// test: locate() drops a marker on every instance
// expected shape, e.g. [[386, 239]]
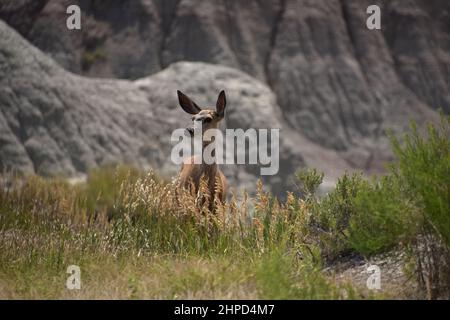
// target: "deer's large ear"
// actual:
[[221, 104], [187, 104]]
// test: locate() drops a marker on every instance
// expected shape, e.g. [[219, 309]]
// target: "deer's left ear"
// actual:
[[187, 104], [221, 104]]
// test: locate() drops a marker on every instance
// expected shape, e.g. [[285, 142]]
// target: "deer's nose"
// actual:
[[190, 130]]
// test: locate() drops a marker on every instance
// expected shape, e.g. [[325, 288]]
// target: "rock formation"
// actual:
[[334, 85]]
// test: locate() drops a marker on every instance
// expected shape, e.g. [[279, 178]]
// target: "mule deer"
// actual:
[[193, 171]]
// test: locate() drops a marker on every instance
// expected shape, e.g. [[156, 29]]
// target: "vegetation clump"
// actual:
[[135, 235]]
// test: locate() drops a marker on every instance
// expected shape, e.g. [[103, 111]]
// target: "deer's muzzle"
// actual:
[[190, 131]]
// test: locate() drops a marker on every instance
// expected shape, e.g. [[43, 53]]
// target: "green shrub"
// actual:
[[309, 181], [330, 217], [424, 168], [383, 219], [409, 207]]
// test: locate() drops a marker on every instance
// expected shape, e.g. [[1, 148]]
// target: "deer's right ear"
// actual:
[[221, 104], [187, 104]]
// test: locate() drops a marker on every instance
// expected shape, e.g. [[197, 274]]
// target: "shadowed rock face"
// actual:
[[336, 85]]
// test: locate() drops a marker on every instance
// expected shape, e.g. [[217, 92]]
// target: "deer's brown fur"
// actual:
[[193, 171]]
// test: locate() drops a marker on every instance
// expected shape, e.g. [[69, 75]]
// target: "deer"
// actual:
[[193, 171]]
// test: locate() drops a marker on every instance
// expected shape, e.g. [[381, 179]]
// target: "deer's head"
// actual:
[[208, 117]]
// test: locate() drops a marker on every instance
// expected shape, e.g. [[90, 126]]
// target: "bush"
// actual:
[[384, 217], [408, 207], [329, 219], [423, 168], [361, 216], [310, 180]]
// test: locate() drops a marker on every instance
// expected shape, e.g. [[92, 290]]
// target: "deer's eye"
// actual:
[[207, 120]]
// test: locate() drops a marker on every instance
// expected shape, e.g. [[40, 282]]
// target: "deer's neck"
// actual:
[[209, 167]]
